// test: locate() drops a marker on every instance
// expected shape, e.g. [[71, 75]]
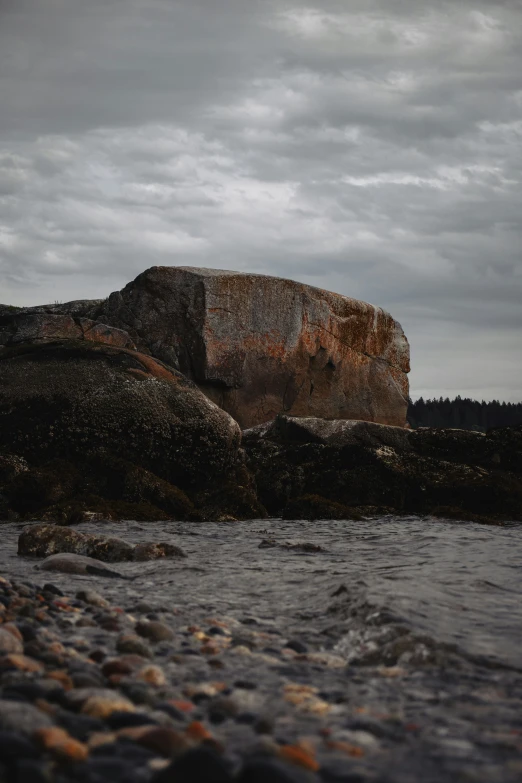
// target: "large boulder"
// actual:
[[259, 345], [78, 401]]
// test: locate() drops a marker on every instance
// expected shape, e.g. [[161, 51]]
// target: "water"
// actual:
[[457, 583]]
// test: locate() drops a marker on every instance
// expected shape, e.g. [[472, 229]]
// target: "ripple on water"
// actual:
[[454, 581]]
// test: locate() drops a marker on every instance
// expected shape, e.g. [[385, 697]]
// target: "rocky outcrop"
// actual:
[[259, 345], [92, 427], [61, 400], [331, 470], [46, 540]]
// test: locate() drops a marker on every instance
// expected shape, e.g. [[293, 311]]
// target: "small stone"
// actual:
[[9, 642], [93, 598], [153, 675], [124, 720], [103, 706], [130, 643], [154, 631], [58, 742], [117, 666]]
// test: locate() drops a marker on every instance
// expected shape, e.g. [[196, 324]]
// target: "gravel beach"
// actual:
[[264, 656]]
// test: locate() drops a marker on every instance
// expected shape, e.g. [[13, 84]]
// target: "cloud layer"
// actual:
[[374, 151]]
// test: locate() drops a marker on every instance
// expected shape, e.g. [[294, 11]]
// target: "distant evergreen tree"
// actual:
[[464, 413]]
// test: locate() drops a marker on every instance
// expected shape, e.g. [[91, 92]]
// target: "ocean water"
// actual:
[[451, 583]]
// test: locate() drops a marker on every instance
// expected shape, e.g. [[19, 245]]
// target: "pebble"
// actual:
[[154, 631], [9, 641], [92, 598], [131, 643], [103, 706], [61, 745], [153, 675]]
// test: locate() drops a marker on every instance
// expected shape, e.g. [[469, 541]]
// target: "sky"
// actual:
[[369, 147]]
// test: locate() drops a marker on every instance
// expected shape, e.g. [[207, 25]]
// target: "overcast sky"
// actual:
[[371, 147]]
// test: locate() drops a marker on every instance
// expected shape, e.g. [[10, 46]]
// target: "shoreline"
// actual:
[[139, 684]]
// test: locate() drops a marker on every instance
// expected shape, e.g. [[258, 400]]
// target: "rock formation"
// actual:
[[101, 414], [309, 468], [259, 345], [255, 345]]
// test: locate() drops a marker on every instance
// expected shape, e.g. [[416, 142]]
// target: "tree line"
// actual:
[[464, 413]]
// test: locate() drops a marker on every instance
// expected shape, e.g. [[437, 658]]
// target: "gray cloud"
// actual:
[[374, 151]]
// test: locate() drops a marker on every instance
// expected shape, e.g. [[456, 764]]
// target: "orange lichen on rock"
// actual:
[[259, 345]]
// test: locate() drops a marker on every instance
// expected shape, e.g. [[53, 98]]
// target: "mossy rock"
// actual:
[[70, 399]]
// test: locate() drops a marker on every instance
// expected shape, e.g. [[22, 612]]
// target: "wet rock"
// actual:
[[109, 550], [78, 564], [44, 540], [15, 746]]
